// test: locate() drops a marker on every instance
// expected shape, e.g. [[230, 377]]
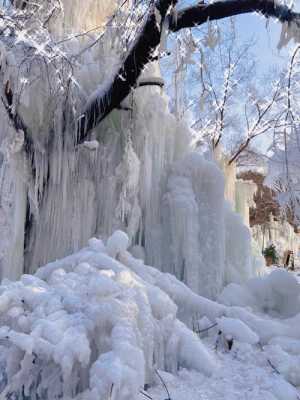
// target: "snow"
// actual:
[[237, 330], [117, 243], [242, 375], [287, 365], [287, 344], [277, 293]]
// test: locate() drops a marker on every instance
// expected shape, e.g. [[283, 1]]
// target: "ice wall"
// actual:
[[117, 185], [194, 224], [239, 195], [239, 264], [244, 199]]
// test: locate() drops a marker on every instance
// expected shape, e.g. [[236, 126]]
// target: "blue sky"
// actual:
[[250, 25]]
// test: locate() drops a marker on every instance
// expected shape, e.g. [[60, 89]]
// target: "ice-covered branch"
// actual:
[[262, 124], [201, 13], [149, 38]]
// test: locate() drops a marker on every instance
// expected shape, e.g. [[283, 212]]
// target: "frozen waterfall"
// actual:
[[137, 174]]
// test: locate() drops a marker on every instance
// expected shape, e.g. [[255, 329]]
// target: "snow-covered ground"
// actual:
[[242, 374], [246, 372], [100, 324], [297, 275]]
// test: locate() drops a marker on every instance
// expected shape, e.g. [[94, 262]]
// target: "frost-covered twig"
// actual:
[[164, 384], [269, 361], [261, 124], [206, 329]]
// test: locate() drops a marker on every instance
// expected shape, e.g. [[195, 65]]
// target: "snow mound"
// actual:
[[117, 243], [236, 329], [88, 327], [277, 294]]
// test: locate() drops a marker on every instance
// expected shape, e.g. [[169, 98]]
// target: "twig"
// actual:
[[146, 395], [164, 384], [273, 367], [111, 391], [206, 329], [269, 361]]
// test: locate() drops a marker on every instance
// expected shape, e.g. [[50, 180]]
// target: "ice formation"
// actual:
[[124, 326], [136, 173], [127, 320]]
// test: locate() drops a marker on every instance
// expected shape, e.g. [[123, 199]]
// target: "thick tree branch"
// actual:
[[201, 13], [149, 39]]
